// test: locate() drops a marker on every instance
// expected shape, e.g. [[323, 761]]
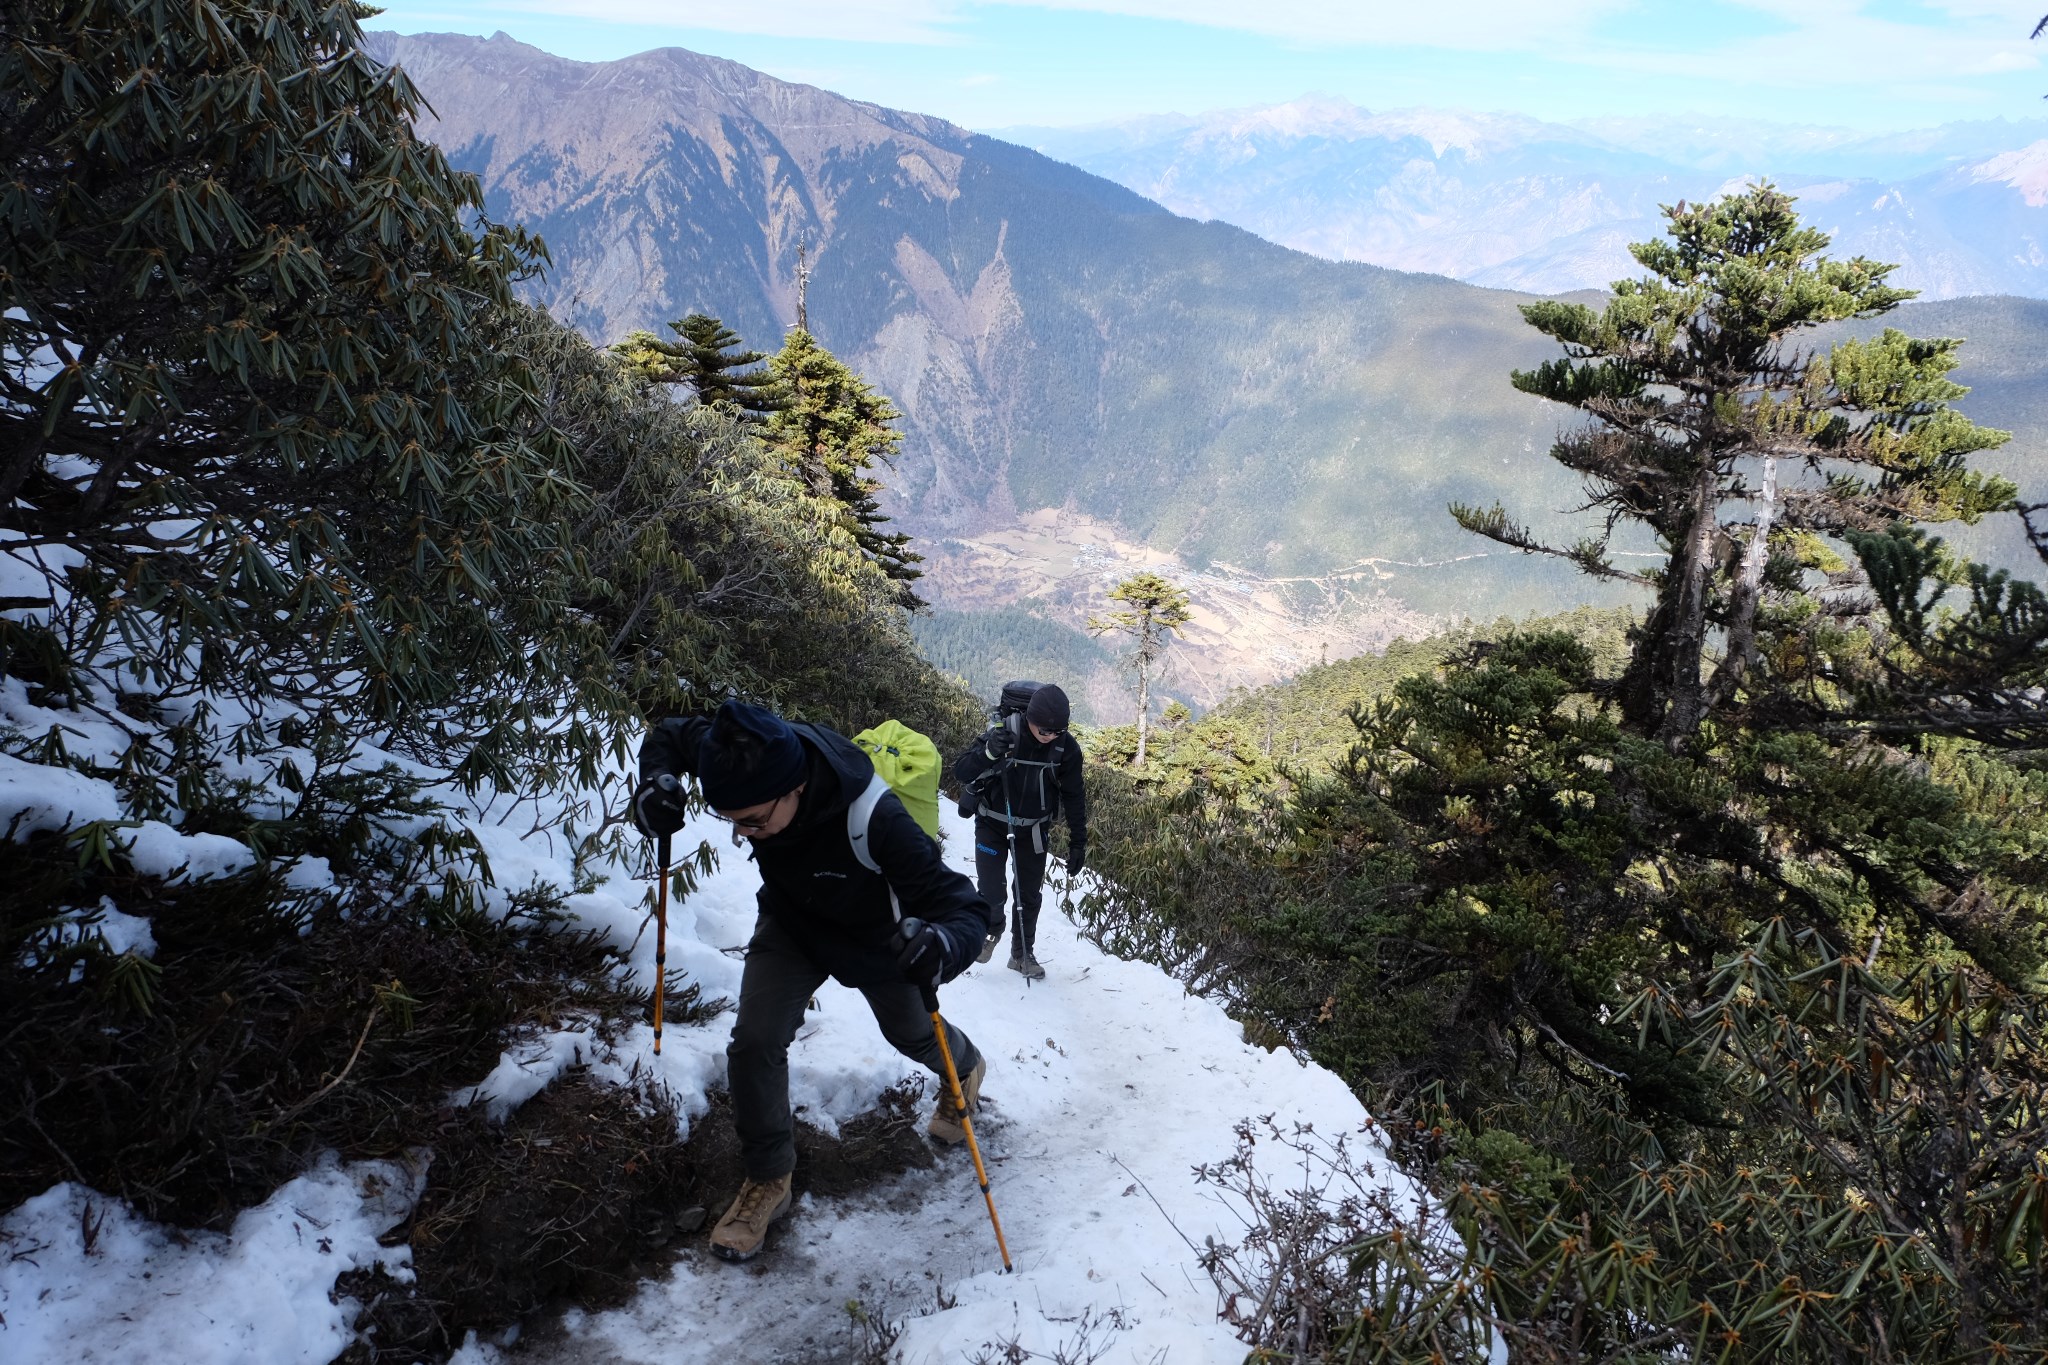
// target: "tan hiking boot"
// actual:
[[946, 1125], [988, 948], [740, 1235]]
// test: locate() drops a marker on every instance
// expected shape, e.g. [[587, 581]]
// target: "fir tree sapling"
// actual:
[[833, 429], [708, 358], [1154, 609]]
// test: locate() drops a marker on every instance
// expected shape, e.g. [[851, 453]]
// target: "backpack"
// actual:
[[1016, 696], [906, 763], [1009, 713]]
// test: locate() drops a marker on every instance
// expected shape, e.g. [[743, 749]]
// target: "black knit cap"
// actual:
[[1048, 709], [750, 757]]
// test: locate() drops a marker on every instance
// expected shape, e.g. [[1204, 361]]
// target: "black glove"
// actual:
[[999, 743], [921, 953], [1077, 858], [658, 808]]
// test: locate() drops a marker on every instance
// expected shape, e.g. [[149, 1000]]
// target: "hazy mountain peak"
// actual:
[[1509, 201], [1333, 118], [2025, 169], [1312, 115]]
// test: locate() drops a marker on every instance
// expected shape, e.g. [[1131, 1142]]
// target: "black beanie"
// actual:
[[1048, 709], [750, 757]]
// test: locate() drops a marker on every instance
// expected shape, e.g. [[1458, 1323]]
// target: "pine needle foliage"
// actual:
[[1705, 988], [1153, 611], [1701, 401], [708, 358], [834, 429], [711, 568]]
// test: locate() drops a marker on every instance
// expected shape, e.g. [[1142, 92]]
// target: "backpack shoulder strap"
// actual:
[[859, 815]]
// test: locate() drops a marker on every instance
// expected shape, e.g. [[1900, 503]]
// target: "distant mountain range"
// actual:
[[1057, 341], [1053, 339], [1547, 207]]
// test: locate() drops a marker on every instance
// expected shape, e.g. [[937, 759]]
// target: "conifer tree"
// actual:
[[1736, 447], [709, 359], [1153, 610], [833, 430]]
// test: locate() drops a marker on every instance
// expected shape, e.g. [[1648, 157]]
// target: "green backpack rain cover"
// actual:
[[909, 763]]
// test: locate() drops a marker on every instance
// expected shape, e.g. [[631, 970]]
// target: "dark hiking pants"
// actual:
[[777, 983], [993, 844]]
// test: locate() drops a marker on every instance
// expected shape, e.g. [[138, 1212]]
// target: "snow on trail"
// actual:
[[1106, 1081], [84, 1281], [1107, 1085]]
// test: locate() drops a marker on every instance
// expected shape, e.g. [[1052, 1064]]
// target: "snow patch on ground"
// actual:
[[1108, 1084], [122, 933], [83, 1280], [532, 1067]]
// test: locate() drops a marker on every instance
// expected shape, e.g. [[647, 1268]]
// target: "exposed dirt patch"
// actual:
[[266, 1027], [583, 1193]]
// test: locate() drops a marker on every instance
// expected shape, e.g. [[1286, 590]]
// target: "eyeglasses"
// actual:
[[756, 824]]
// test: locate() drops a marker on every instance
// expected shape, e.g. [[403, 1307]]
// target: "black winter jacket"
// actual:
[[814, 887], [1038, 781]]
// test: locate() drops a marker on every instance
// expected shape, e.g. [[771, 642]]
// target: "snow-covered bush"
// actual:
[[329, 574]]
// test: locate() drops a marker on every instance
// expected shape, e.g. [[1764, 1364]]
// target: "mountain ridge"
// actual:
[[1056, 342], [1508, 201], [1053, 338]]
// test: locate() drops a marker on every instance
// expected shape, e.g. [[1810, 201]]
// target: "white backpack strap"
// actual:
[[859, 815]]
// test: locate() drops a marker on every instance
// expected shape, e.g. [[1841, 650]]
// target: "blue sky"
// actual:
[[1868, 64]]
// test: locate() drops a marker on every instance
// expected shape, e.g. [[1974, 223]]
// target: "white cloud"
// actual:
[[1483, 25], [2009, 61], [1825, 42], [1839, 44], [866, 21]]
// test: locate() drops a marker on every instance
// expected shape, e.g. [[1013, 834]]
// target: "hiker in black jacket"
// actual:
[[1025, 772], [789, 789]]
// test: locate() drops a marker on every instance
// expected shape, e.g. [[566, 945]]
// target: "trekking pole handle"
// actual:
[[907, 930]]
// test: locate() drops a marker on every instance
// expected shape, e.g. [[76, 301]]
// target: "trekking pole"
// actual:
[[660, 941], [931, 1003]]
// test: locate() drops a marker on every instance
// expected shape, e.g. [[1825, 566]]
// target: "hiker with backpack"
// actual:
[[852, 887], [1015, 781]]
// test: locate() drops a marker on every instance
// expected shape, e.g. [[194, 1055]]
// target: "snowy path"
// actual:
[[1107, 1085], [1105, 1080]]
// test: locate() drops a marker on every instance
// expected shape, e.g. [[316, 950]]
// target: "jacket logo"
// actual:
[[840, 875]]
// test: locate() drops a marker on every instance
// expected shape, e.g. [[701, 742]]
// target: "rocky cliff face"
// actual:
[[670, 182]]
